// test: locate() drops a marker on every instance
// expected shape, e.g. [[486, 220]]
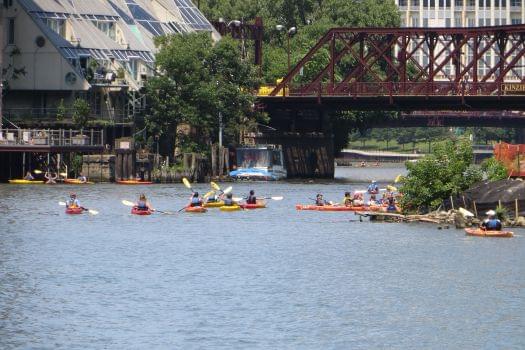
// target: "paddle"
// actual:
[[91, 211], [275, 198], [398, 178], [215, 186], [36, 171]]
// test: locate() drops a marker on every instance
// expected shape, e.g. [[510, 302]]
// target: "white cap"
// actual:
[[491, 213]]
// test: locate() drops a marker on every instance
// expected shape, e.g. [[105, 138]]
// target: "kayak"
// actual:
[[478, 232], [77, 182], [75, 210], [213, 204], [195, 210], [230, 208], [136, 211], [26, 182], [253, 206], [339, 208], [133, 182]]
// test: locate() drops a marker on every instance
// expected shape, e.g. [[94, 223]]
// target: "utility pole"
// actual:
[[220, 129]]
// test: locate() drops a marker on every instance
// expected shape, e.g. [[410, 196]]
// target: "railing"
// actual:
[[50, 137], [49, 115]]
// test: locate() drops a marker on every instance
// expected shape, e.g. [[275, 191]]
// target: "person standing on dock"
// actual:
[[50, 178]]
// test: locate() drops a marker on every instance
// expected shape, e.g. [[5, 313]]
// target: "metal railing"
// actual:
[[49, 115], [51, 137]]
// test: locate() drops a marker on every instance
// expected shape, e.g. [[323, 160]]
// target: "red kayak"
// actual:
[[253, 206], [74, 210], [195, 210], [137, 211]]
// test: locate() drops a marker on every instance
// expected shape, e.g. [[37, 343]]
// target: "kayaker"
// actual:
[[251, 198], [319, 200], [373, 200], [491, 223], [82, 178], [228, 201], [373, 188], [391, 200], [143, 204], [195, 200], [50, 178], [213, 198], [28, 176], [358, 199], [73, 202], [348, 201]]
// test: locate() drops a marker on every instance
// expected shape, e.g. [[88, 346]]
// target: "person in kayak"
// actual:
[[213, 198], [391, 201], [143, 204], [29, 177], [348, 201], [319, 200], [82, 178], [228, 201], [73, 202], [373, 188], [195, 200], [50, 178], [358, 199], [251, 198], [491, 223], [373, 200]]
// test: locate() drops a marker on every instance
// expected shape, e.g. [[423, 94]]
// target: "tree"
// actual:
[[81, 111], [61, 110], [193, 91], [446, 171]]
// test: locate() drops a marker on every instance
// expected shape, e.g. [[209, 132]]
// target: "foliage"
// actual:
[[81, 112], [502, 213], [494, 169], [76, 164], [11, 71], [61, 110], [446, 171], [194, 91]]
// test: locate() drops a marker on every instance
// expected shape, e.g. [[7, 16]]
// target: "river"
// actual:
[[268, 279]]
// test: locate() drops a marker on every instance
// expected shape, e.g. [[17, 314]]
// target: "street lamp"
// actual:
[[289, 33]]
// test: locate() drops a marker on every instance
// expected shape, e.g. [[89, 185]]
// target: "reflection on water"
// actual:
[[274, 278]]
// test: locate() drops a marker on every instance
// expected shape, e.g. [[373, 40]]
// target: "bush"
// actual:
[[494, 169], [81, 111]]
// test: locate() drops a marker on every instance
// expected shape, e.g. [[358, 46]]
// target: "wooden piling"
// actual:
[[475, 209], [452, 202], [516, 207]]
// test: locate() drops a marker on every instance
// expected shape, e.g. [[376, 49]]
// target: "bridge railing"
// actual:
[[51, 137], [436, 88]]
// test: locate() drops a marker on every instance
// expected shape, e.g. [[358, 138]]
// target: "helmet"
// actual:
[[491, 213], [252, 192], [195, 194], [72, 194]]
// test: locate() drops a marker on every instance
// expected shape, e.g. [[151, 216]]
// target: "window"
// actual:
[[11, 31], [107, 27], [414, 21], [457, 21], [516, 21], [415, 3], [516, 3], [57, 25], [458, 3], [403, 2]]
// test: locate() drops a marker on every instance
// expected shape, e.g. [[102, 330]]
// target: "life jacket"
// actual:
[[319, 202], [228, 202], [251, 200], [141, 205], [196, 202], [493, 224], [347, 201], [373, 188]]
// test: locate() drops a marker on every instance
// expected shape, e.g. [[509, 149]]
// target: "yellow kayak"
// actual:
[[26, 182], [213, 204], [230, 208]]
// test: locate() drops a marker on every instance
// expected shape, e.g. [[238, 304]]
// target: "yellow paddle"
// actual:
[[208, 194], [398, 178], [215, 186], [36, 171]]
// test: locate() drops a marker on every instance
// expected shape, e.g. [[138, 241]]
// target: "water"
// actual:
[[268, 279]]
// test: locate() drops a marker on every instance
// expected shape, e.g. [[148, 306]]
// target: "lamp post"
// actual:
[[289, 33]]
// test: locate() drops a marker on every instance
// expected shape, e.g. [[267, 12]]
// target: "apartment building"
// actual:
[[464, 13], [102, 50]]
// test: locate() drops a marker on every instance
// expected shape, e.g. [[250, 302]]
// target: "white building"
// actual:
[[101, 50], [464, 13]]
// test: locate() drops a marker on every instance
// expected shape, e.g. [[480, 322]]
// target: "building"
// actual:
[[463, 13], [101, 50]]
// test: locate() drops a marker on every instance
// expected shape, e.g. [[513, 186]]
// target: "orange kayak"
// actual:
[[75, 210], [195, 210], [478, 232], [133, 182], [137, 211], [260, 205]]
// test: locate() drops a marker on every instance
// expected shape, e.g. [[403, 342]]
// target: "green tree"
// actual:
[[61, 110], [445, 172], [81, 112], [194, 91]]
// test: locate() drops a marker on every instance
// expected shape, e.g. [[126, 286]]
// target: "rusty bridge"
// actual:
[[408, 69]]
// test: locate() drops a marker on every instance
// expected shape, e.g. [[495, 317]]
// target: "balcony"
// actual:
[[44, 140], [48, 116]]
